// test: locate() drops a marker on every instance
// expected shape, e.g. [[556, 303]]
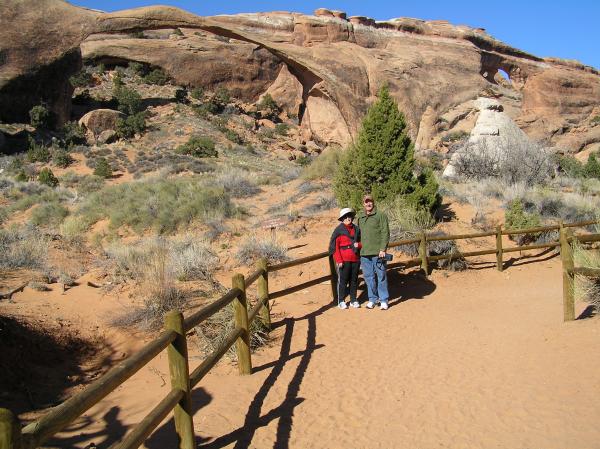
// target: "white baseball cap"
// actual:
[[346, 211]]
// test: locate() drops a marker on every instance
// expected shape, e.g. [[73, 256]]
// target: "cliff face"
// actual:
[[325, 68]]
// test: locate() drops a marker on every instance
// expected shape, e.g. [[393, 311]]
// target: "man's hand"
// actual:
[[381, 254], [356, 244], [340, 265]]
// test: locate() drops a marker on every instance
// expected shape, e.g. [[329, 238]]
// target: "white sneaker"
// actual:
[[383, 306], [343, 305], [370, 305], [355, 305]]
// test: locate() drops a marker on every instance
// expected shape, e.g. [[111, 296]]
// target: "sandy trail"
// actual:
[[477, 359]]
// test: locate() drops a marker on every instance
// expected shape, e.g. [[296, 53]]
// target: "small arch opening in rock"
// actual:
[[504, 75]]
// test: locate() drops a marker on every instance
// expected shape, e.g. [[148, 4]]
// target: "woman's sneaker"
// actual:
[[383, 306], [370, 305], [343, 305], [355, 305]]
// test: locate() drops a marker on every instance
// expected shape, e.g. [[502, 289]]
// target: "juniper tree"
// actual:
[[382, 161]]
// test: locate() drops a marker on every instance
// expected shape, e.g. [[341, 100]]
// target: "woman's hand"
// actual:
[[340, 265], [356, 244]]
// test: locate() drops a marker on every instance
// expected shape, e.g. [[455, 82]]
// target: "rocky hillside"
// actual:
[[325, 69]]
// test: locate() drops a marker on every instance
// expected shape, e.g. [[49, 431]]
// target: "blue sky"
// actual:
[[564, 29]]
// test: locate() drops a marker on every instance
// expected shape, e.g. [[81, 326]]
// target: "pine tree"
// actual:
[[382, 161]]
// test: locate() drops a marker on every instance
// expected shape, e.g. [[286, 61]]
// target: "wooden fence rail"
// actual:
[[174, 339]]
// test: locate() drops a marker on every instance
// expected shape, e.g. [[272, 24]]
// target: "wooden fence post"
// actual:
[[240, 309], [334, 278], [180, 378], [499, 264], [263, 293], [423, 253], [10, 430], [566, 254]]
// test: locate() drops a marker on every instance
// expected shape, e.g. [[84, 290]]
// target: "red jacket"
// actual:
[[341, 254]]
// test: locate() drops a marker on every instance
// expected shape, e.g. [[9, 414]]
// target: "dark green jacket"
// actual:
[[374, 232]]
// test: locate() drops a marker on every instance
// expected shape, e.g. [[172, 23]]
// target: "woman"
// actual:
[[345, 246]]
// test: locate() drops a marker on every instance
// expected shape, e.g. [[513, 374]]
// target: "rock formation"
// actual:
[[330, 66]]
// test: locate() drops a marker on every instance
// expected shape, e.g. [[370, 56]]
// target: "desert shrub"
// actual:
[[81, 79], [455, 136], [254, 248], [587, 289], [570, 166], [511, 158], [82, 183], [73, 229], [322, 203], [198, 146], [405, 222], [62, 158], [268, 106], [131, 125], [282, 129], [156, 76], [592, 167], [49, 214], [38, 286], [222, 96], [211, 332], [214, 229], [382, 161], [237, 183], [193, 259], [233, 136], [103, 168], [595, 120], [303, 160], [137, 35], [159, 204], [40, 116], [46, 177], [23, 247], [117, 81], [446, 247], [73, 134], [129, 101], [37, 152], [181, 95], [22, 176], [157, 284], [138, 68], [197, 93], [515, 217]]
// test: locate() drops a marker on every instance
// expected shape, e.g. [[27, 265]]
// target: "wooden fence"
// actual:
[[570, 270], [174, 340]]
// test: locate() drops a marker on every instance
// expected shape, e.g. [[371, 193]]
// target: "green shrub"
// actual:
[[139, 69], [197, 93], [592, 167], [222, 96], [515, 217], [73, 134], [156, 76], [138, 35], [37, 152], [268, 106], [303, 161], [40, 116], [81, 79], [103, 168], [118, 81], [62, 158], [382, 161], [455, 136], [282, 129], [46, 177], [49, 214], [22, 176], [181, 95], [596, 120], [159, 204], [570, 166], [323, 166], [129, 101], [131, 125], [23, 247], [198, 147]]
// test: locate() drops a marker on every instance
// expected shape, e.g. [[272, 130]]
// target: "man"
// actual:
[[375, 236]]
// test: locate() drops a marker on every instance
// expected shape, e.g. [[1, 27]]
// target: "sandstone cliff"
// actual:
[[325, 68]]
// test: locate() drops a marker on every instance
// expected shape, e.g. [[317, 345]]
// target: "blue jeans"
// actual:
[[373, 269]]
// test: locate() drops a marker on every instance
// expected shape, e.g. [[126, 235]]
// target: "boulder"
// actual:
[[107, 136], [100, 120]]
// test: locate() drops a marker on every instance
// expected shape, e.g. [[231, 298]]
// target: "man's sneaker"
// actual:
[[383, 306], [343, 305], [355, 305], [370, 305]]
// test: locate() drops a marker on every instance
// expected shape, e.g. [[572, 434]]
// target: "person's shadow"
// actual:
[[402, 286]]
